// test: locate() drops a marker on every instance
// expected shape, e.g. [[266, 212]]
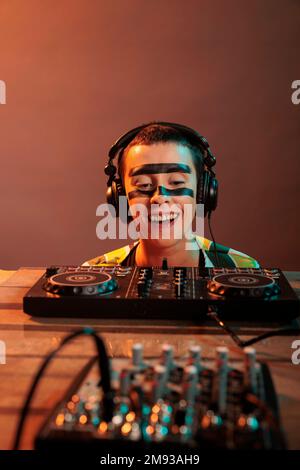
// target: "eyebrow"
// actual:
[[153, 168]]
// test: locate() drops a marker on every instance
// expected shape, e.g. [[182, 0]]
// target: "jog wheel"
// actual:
[[243, 285], [80, 283]]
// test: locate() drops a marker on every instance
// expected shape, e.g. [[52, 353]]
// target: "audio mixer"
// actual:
[[179, 293], [169, 404]]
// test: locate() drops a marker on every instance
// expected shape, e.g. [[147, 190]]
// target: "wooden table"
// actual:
[[29, 339]]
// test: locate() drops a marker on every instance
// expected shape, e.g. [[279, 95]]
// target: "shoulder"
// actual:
[[227, 256], [111, 258]]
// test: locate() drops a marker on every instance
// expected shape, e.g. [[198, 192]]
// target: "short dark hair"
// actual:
[[158, 133]]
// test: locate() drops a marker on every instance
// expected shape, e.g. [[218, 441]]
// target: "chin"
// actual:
[[162, 243]]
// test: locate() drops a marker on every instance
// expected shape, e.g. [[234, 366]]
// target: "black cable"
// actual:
[[213, 239], [103, 369], [269, 334], [212, 313]]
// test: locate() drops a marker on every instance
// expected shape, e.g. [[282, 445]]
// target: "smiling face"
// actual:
[[163, 178]]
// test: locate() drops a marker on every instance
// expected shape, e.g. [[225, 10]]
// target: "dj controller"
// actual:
[[179, 293], [170, 405]]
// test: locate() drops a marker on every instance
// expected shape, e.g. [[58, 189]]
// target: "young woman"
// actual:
[[162, 168]]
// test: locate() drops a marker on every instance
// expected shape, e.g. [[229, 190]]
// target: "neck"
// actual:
[[148, 254]]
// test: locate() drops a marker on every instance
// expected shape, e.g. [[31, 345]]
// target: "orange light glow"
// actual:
[[156, 409], [205, 422], [149, 429], [83, 419], [126, 428], [102, 427], [60, 419], [130, 416], [242, 421]]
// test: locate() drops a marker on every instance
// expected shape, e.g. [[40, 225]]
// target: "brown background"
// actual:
[[81, 72]]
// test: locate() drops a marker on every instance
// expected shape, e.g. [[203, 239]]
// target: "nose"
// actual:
[[159, 197]]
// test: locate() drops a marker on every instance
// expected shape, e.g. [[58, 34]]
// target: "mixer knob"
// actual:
[[77, 290], [190, 383], [167, 356], [161, 375], [195, 352], [222, 367], [164, 265], [222, 357], [195, 356], [137, 355], [250, 366], [124, 382]]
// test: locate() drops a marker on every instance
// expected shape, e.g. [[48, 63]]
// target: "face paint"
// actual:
[[156, 168], [161, 191]]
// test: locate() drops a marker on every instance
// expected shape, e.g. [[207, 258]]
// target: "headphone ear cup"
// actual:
[[112, 196], [202, 190], [116, 190], [113, 192], [109, 196], [115, 197], [120, 191], [207, 193], [212, 193]]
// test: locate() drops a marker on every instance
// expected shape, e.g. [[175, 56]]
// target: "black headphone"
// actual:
[[207, 191]]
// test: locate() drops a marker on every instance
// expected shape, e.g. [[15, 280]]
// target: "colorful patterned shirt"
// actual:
[[228, 257]]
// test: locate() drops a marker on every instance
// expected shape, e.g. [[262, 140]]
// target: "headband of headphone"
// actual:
[[207, 191]]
